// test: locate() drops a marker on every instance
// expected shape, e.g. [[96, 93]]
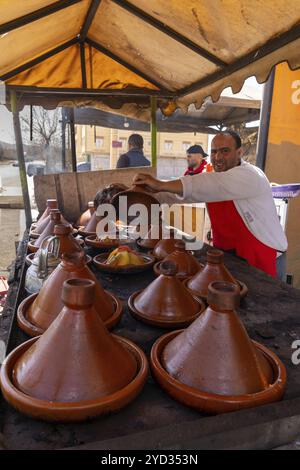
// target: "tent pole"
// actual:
[[21, 159], [73, 142], [63, 139], [263, 132], [153, 128]]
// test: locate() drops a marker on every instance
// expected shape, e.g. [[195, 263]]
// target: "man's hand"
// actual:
[[148, 182]]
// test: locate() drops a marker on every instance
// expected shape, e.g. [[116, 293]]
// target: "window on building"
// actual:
[[168, 145], [99, 142], [123, 140], [185, 146]]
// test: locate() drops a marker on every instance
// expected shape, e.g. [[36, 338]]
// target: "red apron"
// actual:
[[230, 233]]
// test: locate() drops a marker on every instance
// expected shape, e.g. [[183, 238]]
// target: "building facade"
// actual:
[[102, 147]]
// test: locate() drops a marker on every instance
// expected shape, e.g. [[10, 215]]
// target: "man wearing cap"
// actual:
[[196, 160], [239, 201]]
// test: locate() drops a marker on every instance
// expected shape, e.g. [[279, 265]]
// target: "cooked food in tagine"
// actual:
[[124, 256]]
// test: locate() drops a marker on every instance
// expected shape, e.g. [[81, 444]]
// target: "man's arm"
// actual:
[[155, 185]]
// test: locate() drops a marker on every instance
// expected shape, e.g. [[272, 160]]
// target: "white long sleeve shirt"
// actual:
[[248, 187]]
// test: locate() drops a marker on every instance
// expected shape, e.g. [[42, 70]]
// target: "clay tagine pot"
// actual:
[[165, 247], [135, 195], [38, 230], [55, 219], [187, 265], [213, 365], [37, 312], [149, 241], [67, 242], [165, 302], [214, 270], [86, 215], [76, 370], [91, 226], [50, 204]]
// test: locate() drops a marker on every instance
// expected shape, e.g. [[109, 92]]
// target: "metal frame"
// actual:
[[247, 59], [169, 32], [118, 59], [36, 15], [89, 19], [82, 38]]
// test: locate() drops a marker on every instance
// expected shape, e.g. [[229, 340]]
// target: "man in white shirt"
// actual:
[[239, 202]]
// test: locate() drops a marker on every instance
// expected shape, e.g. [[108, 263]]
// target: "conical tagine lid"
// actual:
[[67, 243], [76, 359], [166, 298], [51, 204], [165, 247], [86, 215], [91, 226], [47, 305], [214, 270], [187, 265], [55, 218], [215, 354]]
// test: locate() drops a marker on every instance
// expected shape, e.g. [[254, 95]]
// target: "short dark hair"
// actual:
[[136, 140], [234, 135]]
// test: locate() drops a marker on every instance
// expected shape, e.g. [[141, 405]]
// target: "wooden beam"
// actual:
[[169, 32], [118, 59], [89, 19], [36, 15], [250, 58], [38, 60]]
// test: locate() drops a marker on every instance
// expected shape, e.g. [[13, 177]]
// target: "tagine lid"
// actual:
[[76, 359], [166, 298], [213, 270], [215, 354], [47, 305], [187, 264], [55, 218], [165, 247]]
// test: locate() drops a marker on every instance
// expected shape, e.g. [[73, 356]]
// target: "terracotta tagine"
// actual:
[[187, 264], [149, 241], [213, 365], [55, 219], [76, 370], [50, 204], [165, 302], [37, 231], [91, 226], [214, 270], [86, 215], [67, 242], [165, 247], [37, 312], [135, 195]]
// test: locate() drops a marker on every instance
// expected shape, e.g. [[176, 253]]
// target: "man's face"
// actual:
[[224, 154], [194, 159]]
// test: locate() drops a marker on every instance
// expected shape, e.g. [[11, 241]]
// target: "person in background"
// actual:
[[135, 155], [196, 160]]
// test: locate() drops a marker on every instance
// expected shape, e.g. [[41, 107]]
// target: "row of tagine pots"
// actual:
[[85, 371]]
